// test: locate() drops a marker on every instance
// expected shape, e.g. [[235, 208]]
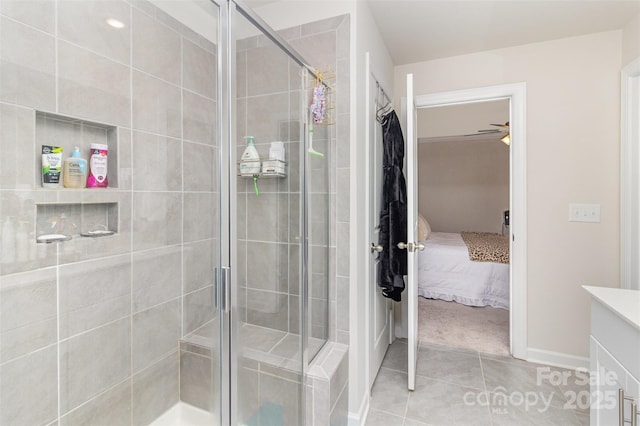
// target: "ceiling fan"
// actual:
[[502, 128]]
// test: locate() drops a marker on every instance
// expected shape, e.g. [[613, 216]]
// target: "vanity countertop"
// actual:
[[623, 302]]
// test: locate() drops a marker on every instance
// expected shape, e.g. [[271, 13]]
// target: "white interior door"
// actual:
[[379, 306], [411, 176]]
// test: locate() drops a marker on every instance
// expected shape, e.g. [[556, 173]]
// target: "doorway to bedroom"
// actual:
[[464, 205]]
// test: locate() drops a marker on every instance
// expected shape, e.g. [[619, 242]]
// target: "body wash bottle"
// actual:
[[250, 160], [74, 172], [98, 166]]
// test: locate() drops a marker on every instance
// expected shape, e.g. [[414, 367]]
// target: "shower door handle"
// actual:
[[222, 290]]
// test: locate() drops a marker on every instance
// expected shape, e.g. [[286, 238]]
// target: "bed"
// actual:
[[446, 272]]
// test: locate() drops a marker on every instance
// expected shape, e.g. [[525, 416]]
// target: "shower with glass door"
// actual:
[[185, 284]]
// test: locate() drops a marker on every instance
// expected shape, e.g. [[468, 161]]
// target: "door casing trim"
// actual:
[[516, 93]]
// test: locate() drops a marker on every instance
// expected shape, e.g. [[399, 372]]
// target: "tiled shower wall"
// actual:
[[268, 91], [89, 328], [269, 109]]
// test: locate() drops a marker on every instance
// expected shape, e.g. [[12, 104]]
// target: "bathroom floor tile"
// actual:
[[390, 393], [446, 404], [468, 388]]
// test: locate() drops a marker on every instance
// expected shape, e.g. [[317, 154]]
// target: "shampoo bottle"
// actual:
[[250, 160], [74, 172]]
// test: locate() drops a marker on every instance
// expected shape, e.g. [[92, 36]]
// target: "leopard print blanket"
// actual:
[[487, 247]]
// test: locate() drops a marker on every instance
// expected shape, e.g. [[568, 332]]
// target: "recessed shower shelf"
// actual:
[[59, 222], [68, 132]]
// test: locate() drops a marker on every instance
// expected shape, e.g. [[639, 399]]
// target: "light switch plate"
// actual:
[[584, 213]]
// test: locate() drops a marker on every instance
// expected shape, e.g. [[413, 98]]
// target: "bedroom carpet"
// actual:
[[482, 329]]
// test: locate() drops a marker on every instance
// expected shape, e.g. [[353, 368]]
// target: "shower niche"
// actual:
[[68, 133], [89, 220]]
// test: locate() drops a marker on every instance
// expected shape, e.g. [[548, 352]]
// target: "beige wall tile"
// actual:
[[27, 312], [94, 293], [273, 65], [39, 14], [155, 215], [92, 87], [157, 276], [155, 390], [29, 389], [148, 36], [16, 143], [27, 59], [157, 163], [198, 308], [196, 379], [199, 216], [110, 408], [200, 167], [156, 106], [156, 332], [84, 23], [199, 260], [200, 70], [199, 119], [92, 362], [268, 309]]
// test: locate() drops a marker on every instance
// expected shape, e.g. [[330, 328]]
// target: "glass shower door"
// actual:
[[266, 244]]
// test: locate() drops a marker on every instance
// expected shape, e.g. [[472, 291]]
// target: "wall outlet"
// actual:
[[584, 213]]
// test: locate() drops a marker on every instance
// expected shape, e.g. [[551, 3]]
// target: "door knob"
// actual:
[[411, 246], [408, 246], [376, 248]]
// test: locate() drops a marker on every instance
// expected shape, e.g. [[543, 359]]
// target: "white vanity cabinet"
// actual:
[[615, 356]]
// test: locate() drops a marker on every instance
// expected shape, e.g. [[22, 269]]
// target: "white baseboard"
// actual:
[[557, 359], [360, 418]]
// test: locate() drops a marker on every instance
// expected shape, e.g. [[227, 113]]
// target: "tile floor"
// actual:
[[462, 387]]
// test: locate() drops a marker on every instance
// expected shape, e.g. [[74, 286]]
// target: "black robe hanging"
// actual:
[[392, 261]]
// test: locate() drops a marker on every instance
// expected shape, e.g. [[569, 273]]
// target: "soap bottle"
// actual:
[[74, 172], [250, 160]]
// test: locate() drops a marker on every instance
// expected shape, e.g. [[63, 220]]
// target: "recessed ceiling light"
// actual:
[[115, 23]]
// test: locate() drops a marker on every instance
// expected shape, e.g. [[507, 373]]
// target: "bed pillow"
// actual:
[[424, 229]]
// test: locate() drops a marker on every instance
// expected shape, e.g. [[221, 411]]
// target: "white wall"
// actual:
[[573, 121], [461, 119], [631, 41], [367, 39], [463, 185], [289, 13]]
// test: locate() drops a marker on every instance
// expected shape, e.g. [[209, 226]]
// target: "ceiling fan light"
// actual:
[[506, 139]]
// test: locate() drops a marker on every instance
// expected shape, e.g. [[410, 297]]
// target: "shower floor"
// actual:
[[185, 415], [262, 344]]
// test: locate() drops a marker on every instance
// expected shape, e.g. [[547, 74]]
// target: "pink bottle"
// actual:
[[97, 166]]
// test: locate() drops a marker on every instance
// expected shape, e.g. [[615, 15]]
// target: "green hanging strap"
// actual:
[[255, 185]]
